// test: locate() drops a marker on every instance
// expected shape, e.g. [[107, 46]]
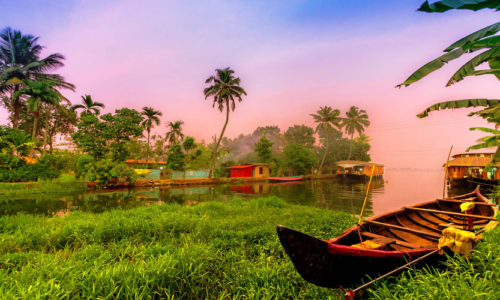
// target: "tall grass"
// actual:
[[213, 250]]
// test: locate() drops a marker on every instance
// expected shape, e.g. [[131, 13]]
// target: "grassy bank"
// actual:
[[64, 184], [212, 250]]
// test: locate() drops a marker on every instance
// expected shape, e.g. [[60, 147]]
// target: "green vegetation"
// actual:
[[486, 41], [39, 113], [212, 250], [63, 184]]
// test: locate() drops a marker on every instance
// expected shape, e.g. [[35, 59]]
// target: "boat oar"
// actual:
[[350, 294]]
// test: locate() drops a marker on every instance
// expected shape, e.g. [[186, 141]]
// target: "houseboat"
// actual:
[[469, 169], [359, 170]]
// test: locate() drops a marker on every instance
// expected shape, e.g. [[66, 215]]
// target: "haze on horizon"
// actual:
[[291, 59]]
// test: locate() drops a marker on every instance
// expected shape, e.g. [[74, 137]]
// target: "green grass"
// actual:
[[64, 184], [212, 250]]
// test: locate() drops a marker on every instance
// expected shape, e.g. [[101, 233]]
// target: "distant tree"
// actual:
[[58, 120], [355, 121], [88, 105], [38, 93], [225, 89], [108, 134], [326, 118], [174, 134], [20, 62], [299, 158], [176, 158], [263, 148], [301, 135], [150, 118]]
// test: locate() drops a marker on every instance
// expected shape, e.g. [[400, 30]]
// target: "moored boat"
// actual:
[[385, 242], [286, 179]]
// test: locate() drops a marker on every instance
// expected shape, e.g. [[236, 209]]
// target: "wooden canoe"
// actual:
[[400, 236], [285, 179]]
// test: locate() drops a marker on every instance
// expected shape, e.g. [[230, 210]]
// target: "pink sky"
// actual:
[[127, 54]]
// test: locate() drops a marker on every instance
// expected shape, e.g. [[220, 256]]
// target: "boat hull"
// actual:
[[332, 266]]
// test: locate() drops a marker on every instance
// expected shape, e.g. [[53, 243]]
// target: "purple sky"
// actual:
[[291, 58]]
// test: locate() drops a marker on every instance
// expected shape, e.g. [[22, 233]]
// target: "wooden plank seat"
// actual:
[[464, 201], [451, 213], [390, 240], [402, 228]]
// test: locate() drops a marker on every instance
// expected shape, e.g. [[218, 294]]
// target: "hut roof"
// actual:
[[353, 163], [132, 161], [247, 166], [471, 161], [474, 154]]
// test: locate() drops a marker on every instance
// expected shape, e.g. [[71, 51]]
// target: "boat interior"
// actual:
[[416, 227]]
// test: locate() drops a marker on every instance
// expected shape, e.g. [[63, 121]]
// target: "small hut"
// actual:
[[254, 170], [466, 169], [356, 169]]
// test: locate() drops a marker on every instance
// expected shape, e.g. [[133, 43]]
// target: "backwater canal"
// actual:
[[398, 188]]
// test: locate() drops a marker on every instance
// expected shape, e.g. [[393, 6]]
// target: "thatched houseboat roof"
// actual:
[[471, 160], [353, 163]]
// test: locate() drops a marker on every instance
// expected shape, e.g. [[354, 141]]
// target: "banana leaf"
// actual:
[[459, 104], [445, 5]]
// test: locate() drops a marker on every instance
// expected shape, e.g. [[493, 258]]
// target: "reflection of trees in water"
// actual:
[[330, 194]]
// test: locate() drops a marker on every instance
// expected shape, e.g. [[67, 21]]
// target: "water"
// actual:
[[398, 188]]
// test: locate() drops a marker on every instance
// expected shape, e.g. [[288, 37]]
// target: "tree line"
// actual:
[[33, 95]]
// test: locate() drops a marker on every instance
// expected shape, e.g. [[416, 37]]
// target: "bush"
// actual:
[[83, 164], [14, 169], [110, 173], [61, 160]]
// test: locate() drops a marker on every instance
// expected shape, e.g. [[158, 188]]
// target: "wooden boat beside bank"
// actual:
[[384, 242], [286, 179]]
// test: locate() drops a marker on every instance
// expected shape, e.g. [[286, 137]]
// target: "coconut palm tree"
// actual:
[[355, 121], [150, 118], [88, 105], [38, 93], [326, 117], [20, 61], [225, 89], [174, 135]]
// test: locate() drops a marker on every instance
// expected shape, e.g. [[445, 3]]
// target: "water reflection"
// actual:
[[329, 194], [401, 188]]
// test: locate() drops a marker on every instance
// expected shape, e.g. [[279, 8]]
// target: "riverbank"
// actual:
[[63, 184], [211, 250], [202, 181]]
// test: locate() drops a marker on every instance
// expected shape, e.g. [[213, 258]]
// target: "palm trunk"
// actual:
[[324, 155], [214, 157], [45, 135], [33, 134], [350, 147], [149, 150], [16, 107]]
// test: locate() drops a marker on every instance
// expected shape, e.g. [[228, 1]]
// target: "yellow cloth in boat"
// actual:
[[368, 244], [466, 206], [458, 241]]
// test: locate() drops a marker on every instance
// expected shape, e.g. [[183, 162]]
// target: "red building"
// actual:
[[257, 170]]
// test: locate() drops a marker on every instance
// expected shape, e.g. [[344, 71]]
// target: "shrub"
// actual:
[[110, 173]]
